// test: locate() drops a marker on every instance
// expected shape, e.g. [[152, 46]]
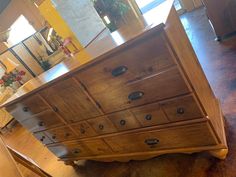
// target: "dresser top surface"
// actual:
[[107, 44]]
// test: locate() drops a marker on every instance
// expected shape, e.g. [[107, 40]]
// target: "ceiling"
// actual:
[[3, 4]]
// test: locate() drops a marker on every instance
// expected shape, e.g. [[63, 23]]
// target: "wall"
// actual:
[[48, 11], [18, 7], [81, 17]]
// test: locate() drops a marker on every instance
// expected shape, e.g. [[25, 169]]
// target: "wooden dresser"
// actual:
[[222, 16], [135, 94]]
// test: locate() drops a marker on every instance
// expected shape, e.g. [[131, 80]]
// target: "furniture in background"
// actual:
[[10, 159], [141, 93], [222, 16]]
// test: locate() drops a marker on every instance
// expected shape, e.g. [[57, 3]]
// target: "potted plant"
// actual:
[[114, 10]]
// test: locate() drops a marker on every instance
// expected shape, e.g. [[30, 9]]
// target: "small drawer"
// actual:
[[27, 108], [42, 121], [196, 135], [97, 147], [83, 129], [124, 120], [182, 108], [102, 125], [64, 150], [150, 115], [60, 134], [42, 137], [167, 84], [146, 58]]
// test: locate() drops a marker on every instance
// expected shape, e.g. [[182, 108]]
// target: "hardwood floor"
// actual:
[[219, 63]]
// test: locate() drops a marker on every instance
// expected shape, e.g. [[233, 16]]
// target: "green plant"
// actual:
[[114, 9]]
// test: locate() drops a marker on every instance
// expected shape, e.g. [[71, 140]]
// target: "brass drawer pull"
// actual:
[[122, 122], [25, 109], [41, 124], [180, 110], [152, 142], [119, 71], [101, 127], [148, 117], [135, 95]]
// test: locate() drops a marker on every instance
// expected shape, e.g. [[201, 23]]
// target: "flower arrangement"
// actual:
[[9, 78]]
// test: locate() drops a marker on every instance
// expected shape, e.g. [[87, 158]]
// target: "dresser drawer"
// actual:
[[60, 134], [102, 125], [182, 108], [164, 85], [27, 108], [80, 149], [124, 120], [43, 138], [83, 129], [141, 60], [177, 137], [42, 121], [64, 150], [150, 115]]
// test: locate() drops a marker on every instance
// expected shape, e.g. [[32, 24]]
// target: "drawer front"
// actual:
[[70, 101], [27, 108], [60, 134], [83, 129], [97, 147], [150, 115], [182, 108], [43, 138], [124, 120], [165, 85], [176, 137], [80, 149], [42, 121], [146, 58], [69, 150], [102, 125]]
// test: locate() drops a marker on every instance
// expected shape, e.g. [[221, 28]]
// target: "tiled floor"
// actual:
[[219, 63]]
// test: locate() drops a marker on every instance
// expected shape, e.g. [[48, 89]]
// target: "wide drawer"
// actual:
[[80, 149], [195, 135], [42, 121], [164, 85], [141, 60], [27, 108]]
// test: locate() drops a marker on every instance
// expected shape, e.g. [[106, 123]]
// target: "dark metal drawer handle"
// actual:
[[76, 151], [67, 134], [43, 137], [119, 71], [41, 124], [148, 117], [180, 110], [53, 137], [55, 109], [152, 142], [25, 109], [122, 122], [82, 131], [135, 95], [101, 127]]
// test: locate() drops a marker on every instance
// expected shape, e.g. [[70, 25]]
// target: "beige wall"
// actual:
[[17, 8]]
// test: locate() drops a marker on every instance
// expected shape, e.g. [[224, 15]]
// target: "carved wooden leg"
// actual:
[[220, 154]]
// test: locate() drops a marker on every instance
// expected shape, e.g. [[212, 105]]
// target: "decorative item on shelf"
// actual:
[[112, 12], [4, 35], [65, 47], [12, 77]]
